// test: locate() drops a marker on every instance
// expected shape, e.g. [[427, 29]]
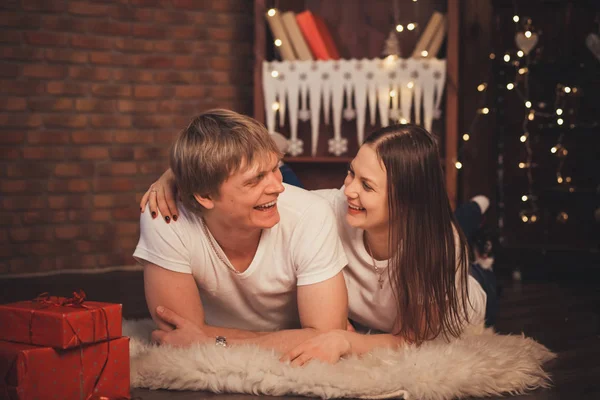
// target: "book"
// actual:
[[428, 34], [293, 31], [317, 36], [276, 24]]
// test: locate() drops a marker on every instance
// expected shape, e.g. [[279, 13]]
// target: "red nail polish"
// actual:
[[153, 214], [167, 219], [174, 217]]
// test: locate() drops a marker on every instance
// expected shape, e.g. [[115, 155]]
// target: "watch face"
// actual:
[[221, 341]]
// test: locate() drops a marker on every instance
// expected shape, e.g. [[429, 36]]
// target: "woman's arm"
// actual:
[[161, 197]]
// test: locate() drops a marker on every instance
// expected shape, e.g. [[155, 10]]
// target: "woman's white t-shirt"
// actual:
[[369, 305]]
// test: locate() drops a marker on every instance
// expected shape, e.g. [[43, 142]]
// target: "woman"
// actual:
[[408, 269]]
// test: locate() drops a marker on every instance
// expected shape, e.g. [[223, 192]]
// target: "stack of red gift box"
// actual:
[[63, 348]]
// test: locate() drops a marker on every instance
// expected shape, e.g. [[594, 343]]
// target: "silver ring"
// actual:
[[152, 190]]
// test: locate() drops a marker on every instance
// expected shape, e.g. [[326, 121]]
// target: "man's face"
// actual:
[[248, 198]]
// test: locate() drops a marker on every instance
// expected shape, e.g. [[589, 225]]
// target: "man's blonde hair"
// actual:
[[215, 145]]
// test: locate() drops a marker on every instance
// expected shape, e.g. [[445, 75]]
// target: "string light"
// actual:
[[531, 115], [567, 89], [424, 53], [523, 137], [399, 28], [410, 85], [481, 87], [506, 58], [523, 71], [466, 137], [522, 165], [492, 56], [483, 110], [559, 121], [516, 18], [275, 106], [274, 74], [520, 53], [458, 165], [527, 34], [403, 121], [278, 42], [528, 104], [271, 12], [411, 26], [510, 86]]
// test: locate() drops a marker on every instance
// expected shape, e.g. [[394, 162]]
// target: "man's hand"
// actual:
[[328, 347], [185, 333]]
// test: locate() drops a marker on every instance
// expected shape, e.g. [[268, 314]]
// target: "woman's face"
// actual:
[[366, 191]]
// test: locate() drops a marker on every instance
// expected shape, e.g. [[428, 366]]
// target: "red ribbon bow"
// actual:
[[75, 301]]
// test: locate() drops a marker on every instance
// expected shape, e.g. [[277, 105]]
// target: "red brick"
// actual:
[[116, 259], [179, 77], [185, 107], [44, 5], [44, 71], [76, 262], [19, 20], [173, 46], [117, 168], [21, 53], [86, 216], [95, 105], [53, 104], [190, 91], [178, 17], [12, 104], [10, 153], [92, 42], [67, 88], [33, 233], [68, 202], [104, 57], [20, 120], [110, 28], [132, 75], [131, 229], [187, 32], [90, 9], [111, 121], [232, 20], [155, 121], [12, 137], [44, 153], [151, 153], [112, 200], [133, 137], [129, 106], [66, 55], [144, 14], [134, 45], [23, 202], [74, 169], [151, 31], [43, 217], [63, 24], [152, 91], [28, 170], [47, 38], [68, 232], [190, 62], [153, 61], [111, 90], [92, 137], [126, 213], [93, 153], [149, 3], [69, 185], [90, 73], [114, 184], [65, 121], [237, 47], [9, 70], [11, 36], [151, 167], [14, 186], [121, 153], [48, 137]]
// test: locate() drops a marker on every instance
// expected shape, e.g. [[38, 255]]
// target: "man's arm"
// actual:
[[324, 305], [178, 292]]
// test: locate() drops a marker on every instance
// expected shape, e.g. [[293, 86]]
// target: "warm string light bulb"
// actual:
[[559, 111], [411, 26], [424, 53], [528, 104], [522, 165], [516, 18], [481, 87], [271, 12], [458, 165], [567, 89], [278, 42], [484, 110], [492, 56], [524, 137], [275, 106], [399, 28], [523, 70], [510, 86], [527, 34], [520, 53], [403, 121], [506, 57], [410, 85], [393, 93], [466, 137], [560, 121], [274, 74], [531, 115]]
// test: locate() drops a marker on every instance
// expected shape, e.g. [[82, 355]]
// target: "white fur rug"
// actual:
[[479, 364]]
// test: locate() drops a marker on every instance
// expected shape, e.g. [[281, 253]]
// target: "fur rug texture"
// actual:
[[478, 364]]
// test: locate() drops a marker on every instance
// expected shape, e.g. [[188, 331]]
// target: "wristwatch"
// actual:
[[221, 341]]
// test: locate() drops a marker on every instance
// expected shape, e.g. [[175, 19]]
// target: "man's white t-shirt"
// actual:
[[369, 305], [302, 249]]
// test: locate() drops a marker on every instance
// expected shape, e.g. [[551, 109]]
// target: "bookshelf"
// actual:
[[360, 29]]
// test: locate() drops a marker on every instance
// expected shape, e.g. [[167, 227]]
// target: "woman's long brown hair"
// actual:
[[424, 265]]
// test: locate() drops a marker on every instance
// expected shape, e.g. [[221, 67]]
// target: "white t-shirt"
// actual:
[[302, 249], [369, 305]]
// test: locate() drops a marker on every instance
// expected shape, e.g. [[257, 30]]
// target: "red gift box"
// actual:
[[60, 322], [91, 371]]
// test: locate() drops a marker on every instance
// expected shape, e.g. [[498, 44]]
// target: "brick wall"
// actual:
[[91, 95]]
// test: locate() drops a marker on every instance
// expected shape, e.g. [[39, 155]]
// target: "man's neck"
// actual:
[[376, 243], [235, 241]]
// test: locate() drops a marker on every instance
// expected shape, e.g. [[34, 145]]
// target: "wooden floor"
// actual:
[[561, 313]]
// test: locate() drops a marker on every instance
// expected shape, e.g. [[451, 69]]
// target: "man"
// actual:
[[248, 254]]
